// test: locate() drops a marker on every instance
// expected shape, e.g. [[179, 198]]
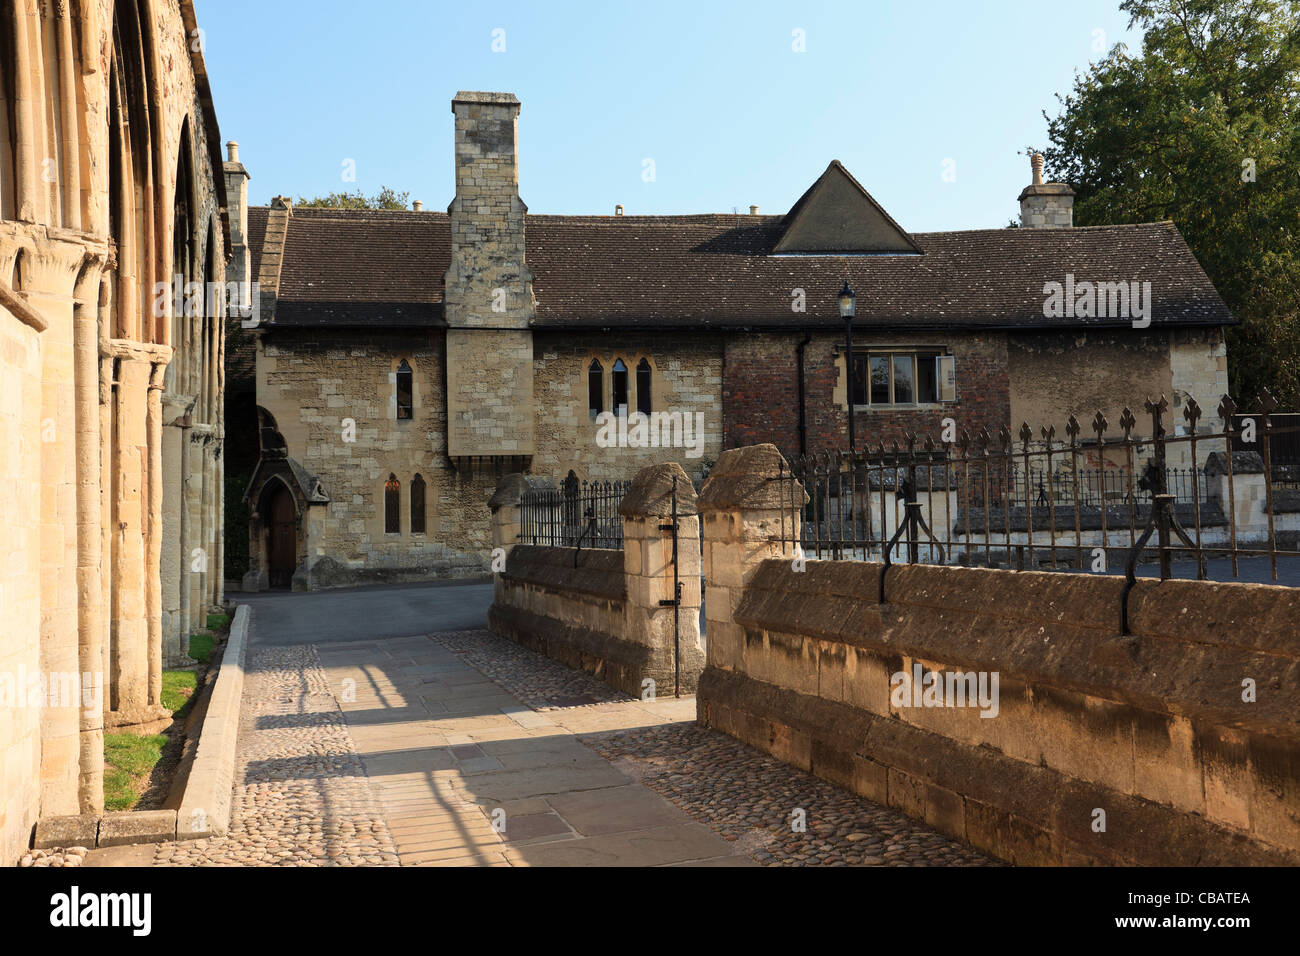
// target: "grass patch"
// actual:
[[217, 621], [177, 690], [128, 761], [201, 647]]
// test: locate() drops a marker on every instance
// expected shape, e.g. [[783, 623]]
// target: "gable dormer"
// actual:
[[836, 216]]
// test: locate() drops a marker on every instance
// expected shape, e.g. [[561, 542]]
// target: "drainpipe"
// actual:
[[803, 428]]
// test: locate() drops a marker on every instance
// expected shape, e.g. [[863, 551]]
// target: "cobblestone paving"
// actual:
[[740, 792], [538, 681], [301, 795], [749, 797]]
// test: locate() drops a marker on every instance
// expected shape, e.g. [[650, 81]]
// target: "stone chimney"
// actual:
[[487, 217], [488, 288], [237, 209], [1045, 205], [417, 206]]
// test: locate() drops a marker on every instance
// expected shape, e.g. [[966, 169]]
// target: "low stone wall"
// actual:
[[574, 614], [1147, 735], [628, 616]]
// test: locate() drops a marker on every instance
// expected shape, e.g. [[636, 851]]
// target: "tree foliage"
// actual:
[[386, 198], [1203, 128]]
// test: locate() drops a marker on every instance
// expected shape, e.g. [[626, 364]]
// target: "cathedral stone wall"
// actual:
[[105, 384]]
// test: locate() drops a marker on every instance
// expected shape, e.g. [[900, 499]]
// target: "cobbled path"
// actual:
[[539, 682], [302, 797], [750, 799], [740, 792]]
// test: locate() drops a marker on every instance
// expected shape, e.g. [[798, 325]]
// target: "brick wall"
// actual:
[[761, 402]]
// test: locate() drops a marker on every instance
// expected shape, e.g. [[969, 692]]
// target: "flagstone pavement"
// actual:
[[463, 749]]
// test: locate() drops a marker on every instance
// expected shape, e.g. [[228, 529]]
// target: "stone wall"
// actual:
[[1051, 379], [20, 587], [1198, 369], [311, 384], [603, 611], [1097, 749], [83, 442], [685, 379]]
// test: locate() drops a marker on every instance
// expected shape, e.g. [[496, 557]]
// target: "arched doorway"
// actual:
[[281, 518]]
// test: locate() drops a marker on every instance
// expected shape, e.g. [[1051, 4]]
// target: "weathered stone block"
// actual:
[[141, 826], [77, 830]]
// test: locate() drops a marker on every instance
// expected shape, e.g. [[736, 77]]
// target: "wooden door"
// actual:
[[282, 538]]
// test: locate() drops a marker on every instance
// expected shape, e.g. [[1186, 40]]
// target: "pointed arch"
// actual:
[[212, 340], [132, 148], [392, 505], [643, 402], [405, 391], [186, 311], [620, 387], [417, 504], [595, 388]]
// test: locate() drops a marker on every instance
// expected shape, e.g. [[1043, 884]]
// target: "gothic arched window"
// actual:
[[417, 505], [620, 387], [405, 391], [392, 506], [595, 388], [643, 387]]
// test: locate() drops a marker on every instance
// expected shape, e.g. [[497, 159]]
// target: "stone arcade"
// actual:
[[110, 411]]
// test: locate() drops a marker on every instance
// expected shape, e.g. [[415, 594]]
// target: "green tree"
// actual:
[[1203, 128], [386, 198]]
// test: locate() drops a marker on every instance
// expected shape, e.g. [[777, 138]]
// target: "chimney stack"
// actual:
[[237, 178], [1045, 205], [488, 283], [618, 210], [417, 206], [753, 210], [488, 290]]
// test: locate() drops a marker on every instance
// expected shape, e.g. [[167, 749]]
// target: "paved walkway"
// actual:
[[468, 775], [350, 614], [464, 749]]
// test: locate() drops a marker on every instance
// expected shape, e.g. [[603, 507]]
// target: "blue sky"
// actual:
[[712, 92]]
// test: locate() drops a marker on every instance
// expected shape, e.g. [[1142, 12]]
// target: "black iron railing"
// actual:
[[1100, 502], [577, 514]]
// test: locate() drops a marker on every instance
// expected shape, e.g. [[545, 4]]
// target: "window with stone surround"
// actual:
[[405, 391], [643, 387], [620, 388], [903, 377], [417, 505], [595, 388], [392, 505]]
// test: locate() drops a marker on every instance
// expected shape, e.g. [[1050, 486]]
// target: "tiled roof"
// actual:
[[717, 271], [361, 266]]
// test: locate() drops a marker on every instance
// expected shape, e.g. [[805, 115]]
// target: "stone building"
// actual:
[[405, 358], [113, 244]]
